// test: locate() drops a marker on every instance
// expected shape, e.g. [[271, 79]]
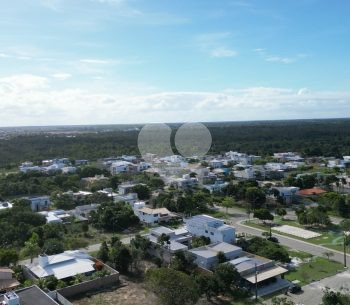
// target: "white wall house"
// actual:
[[153, 216], [39, 203], [245, 174], [206, 256], [120, 167], [216, 163], [289, 194], [215, 229]]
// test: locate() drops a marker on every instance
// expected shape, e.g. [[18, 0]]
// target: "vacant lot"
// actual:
[[131, 293]]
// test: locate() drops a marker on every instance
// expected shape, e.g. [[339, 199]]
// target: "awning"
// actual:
[[266, 274]]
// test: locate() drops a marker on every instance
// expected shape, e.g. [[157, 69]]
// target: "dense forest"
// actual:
[[310, 137]]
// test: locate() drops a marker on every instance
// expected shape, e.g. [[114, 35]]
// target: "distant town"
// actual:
[[231, 226]]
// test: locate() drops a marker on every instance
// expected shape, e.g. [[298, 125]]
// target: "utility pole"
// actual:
[[256, 282], [345, 251]]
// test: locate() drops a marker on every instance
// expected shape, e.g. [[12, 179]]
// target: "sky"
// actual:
[[141, 61]]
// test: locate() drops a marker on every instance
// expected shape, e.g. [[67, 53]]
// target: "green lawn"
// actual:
[[318, 268], [331, 237]]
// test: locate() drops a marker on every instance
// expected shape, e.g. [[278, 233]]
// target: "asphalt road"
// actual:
[[237, 217]]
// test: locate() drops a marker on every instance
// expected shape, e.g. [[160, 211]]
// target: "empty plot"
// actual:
[[302, 233]]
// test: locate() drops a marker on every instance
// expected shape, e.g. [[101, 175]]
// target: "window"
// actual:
[[206, 231], [211, 233]]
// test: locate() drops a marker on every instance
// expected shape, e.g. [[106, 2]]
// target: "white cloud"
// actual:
[[279, 59], [94, 61], [31, 100], [223, 52], [61, 76]]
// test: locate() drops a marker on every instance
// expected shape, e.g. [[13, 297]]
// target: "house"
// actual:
[[288, 194], [241, 157], [29, 167], [215, 229], [40, 203], [125, 188], [260, 272], [207, 256], [78, 196], [81, 162], [216, 163], [69, 170], [122, 167], [178, 239], [91, 180], [57, 216], [153, 216], [5, 205], [130, 198], [245, 174], [62, 266], [288, 156], [7, 280], [217, 187], [27, 296], [83, 211], [272, 166]]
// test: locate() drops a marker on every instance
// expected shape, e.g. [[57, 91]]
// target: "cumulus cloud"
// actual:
[[32, 100]]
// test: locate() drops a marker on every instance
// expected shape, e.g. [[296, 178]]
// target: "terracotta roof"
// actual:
[[313, 191]]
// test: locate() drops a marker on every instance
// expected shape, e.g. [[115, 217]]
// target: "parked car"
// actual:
[[294, 288]]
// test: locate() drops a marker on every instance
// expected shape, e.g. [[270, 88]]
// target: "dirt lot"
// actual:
[[131, 293]]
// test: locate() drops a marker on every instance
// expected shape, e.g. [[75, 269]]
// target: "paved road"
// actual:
[[313, 293], [237, 217]]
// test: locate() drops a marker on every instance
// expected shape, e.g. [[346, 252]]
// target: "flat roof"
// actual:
[[266, 274], [33, 296]]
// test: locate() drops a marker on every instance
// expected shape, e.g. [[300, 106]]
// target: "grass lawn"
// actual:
[[316, 269], [331, 237]]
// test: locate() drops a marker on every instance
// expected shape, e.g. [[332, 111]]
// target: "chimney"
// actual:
[[43, 260], [11, 298]]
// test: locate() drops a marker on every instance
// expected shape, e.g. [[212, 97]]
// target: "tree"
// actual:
[[335, 298], [227, 203], [8, 257], [143, 192], [31, 247], [53, 246], [221, 257], [200, 241], [227, 277], [121, 258], [172, 287], [103, 253], [263, 214], [208, 285], [255, 196], [281, 212]]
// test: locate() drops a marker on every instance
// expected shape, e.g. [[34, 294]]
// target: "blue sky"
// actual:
[[126, 61]]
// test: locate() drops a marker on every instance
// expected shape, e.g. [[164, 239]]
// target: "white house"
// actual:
[[153, 216], [64, 265], [121, 167], [39, 203], [28, 166], [206, 256], [57, 216], [177, 238], [288, 193], [272, 166], [245, 174], [216, 163], [215, 229]]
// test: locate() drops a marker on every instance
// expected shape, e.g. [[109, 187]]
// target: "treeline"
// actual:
[[309, 137]]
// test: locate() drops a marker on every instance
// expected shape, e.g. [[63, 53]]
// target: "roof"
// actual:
[[9, 284], [266, 274], [33, 296], [7, 270], [213, 249], [64, 265], [162, 230], [155, 211], [313, 191]]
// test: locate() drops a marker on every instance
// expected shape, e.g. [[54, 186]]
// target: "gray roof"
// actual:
[[33, 296]]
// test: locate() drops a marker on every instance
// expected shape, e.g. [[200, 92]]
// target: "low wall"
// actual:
[[93, 285], [59, 298]]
